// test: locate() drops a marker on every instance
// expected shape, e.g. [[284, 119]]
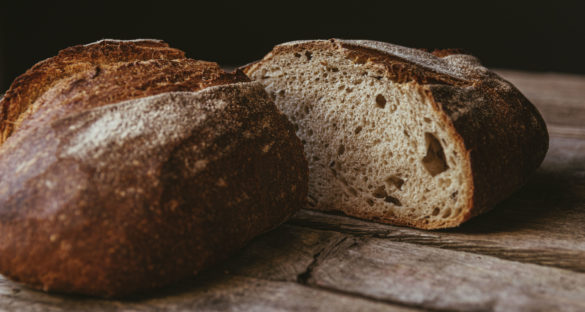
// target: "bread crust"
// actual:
[[503, 133], [113, 198], [77, 59]]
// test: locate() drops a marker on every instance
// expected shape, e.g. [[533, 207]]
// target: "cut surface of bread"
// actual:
[[400, 135]]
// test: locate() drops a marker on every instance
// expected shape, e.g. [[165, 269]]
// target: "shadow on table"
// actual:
[[552, 200]]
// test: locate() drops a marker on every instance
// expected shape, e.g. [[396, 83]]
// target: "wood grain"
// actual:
[[283, 254], [214, 292], [442, 279]]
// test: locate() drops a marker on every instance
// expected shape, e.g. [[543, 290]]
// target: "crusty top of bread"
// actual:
[[107, 71], [405, 64], [457, 66]]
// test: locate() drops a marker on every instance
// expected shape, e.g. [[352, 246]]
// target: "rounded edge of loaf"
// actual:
[[137, 218]]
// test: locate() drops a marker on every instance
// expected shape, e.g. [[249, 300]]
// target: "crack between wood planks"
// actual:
[[559, 258], [303, 277]]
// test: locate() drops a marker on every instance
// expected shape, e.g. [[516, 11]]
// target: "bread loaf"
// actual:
[[400, 135], [125, 167]]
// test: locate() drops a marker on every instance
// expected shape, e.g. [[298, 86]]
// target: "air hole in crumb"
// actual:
[[436, 211], [309, 55], [358, 129], [427, 120], [281, 93], [341, 150], [315, 158], [352, 191], [334, 172], [370, 201], [445, 182], [454, 194], [434, 161], [297, 54], [310, 132], [392, 200], [447, 213], [331, 164], [380, 101], [396, 181], [406, 133], [380, 192]]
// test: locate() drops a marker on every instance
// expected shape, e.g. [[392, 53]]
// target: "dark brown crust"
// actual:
[[81, 58], [109, 199], [111, 83], [143, 216], [503, 133], [398, 69]]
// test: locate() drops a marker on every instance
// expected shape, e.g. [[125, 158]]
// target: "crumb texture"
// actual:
[[377, 148], [379, 143]]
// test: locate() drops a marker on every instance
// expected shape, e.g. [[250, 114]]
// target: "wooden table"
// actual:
[[527, 254]]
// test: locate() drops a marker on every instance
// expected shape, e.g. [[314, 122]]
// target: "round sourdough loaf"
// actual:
[[125, 166], [401, 135]]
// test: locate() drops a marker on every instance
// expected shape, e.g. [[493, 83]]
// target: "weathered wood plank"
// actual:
[[543, 223], [283, 254], [212, 293], [443, 279], [559, 97]]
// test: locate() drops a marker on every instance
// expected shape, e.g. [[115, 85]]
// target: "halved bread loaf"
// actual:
[[401, 135]]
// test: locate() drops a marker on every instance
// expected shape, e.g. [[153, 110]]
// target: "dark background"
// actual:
[[504, 34]]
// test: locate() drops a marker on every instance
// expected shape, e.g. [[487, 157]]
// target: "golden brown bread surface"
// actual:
[[34, 82], [120, 179], [105, 72], [420, 139]]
